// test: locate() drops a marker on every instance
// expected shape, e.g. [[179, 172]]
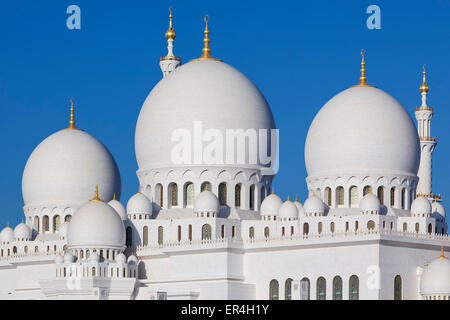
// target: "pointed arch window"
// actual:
[[392, 196], [223, 194], [266, 232], [398, 294], [46, 223], [337, 288], [56, 223], [380, 194], [173, 192], [328, 196], [354, 288], [353, 196], [321, 289], [273, 290], [251, 232], [252, 197], [304, 289], [188, 194], [340, 196], [288, 289], [179, 233], [159, 195], [237, 195]]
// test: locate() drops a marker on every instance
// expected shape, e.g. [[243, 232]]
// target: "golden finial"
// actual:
[[96, 197], [296, 198], [288, 198], [139, 189], [206, 49], [362, 78], [424, 87], [114, 196], [72, 117], [442, 253], [273, 189], [170, 33]]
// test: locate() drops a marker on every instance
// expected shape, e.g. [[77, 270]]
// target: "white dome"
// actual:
[[271, 205], [63, 229], [120, 209], [68, 258], [435, 279], [97, 225], [212, 92], [206, 201], [139, 204], [421, 205], [65, 167], [121, 258], [132, 259], [22, 232], [7, 235], [438, 208], [288, 210], [314, 205], [369, 202], [362, 130]]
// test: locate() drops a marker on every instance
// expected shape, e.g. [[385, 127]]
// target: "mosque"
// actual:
[[370, 228]]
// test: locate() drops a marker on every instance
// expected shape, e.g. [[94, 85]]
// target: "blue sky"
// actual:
[[299, 53]]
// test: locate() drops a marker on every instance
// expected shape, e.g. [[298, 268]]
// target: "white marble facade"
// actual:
[[370, 226]]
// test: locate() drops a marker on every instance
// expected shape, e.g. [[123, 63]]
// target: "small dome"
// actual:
[[22, 232], [420, 206], [139, 204], [288, 210], [121, 258], [206, 201], [271, 205], [438, 209], [63, 229], [7, 235], [59, 259], [132, 259], [120, 209], [314, 205], [68, 258], [96, 224], [435, 280], [94, 257], [369, 202]]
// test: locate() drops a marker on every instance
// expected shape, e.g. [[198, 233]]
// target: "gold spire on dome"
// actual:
[[442, 253], [288, 198], [296, 198], [424, 86], [273, 189], [206, 49], [114, 196], [96, 197], [362, 78], [72, 116], [170, 33]]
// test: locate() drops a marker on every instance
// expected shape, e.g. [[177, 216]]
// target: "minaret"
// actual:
[[427, 143], [170, 62]]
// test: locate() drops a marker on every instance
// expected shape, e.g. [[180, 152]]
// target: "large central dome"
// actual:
[[209, 91], [362, 130]]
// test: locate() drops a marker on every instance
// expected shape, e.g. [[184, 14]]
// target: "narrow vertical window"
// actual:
[[188, 194], [251, 232], [160, 235], [304, 289], [321, 289], [273, 290], [237, 195], [206, 232], [340, 196], [398, 294], [252, 197], [392, 197], [380, 194], [288, 289], [354, 196], [173, 191], [354, 288], [145, 236], [223, 194], [337, 288], [129, 237]]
